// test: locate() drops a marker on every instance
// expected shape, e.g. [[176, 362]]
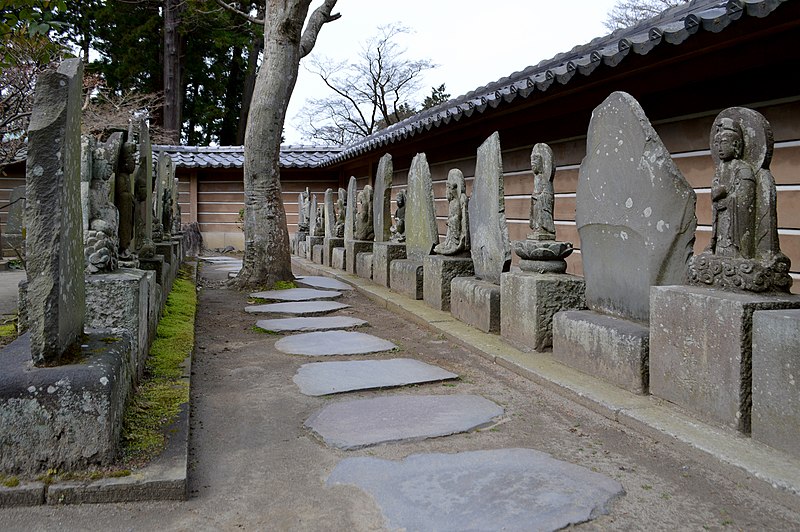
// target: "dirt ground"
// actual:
[[254, 467]]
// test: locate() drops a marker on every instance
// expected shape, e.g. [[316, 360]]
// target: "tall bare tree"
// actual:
[[368, 94], [626, 13], [267, 256]]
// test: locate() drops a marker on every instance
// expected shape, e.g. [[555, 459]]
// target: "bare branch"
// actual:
[[232, 9], [318, 18]]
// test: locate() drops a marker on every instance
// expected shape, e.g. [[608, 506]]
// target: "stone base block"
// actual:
[[438, 271], [405, 277], [301, 249], [352, 249], [383, 253], [338, 258], [316, 253], [701, 349], [603, 346], [476, 303], [364, 265], [156, 265], [65, 417], [121, 300], [328, 245], [775, 418], [312, 241], [528, 302]]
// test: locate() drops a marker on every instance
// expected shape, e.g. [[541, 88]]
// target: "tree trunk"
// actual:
[[249, 84], [173, 88], [267, 257]]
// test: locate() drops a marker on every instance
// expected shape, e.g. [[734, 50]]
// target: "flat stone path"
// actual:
[[297, 294], [325, 343], [399, 418], [323, 378], [323, 323], [323, 282], [300, 308], [505, 489]]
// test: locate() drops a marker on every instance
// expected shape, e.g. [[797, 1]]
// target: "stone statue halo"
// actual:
[[546, 153], [756, 136]]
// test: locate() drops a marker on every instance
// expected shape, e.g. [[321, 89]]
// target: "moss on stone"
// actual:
[[283, 285]]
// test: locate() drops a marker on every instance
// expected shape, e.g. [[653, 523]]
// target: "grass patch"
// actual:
[[158, 400], [283, 285], [257, 329]]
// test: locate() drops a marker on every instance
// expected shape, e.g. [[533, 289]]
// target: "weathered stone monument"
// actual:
[[299, 242], [124, 200], [530, 297], [406, 275], [384, 250], [703, 357], [331, 241], [635, 217], [315, 226], [399, 227], [337, 252], [365, 231], [358, 231], [65, 410], [99, 164], [15, 223]]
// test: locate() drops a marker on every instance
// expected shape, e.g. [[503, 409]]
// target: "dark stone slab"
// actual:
[[399, 418], [635, 212], [421, 231], [330, 214], [326, 283], [338, 257], [438, 271], [312, 241], [350, 211], [323, 323], [382, 200], [383, 254], [476, 303], [490, 245], [14, 236], [323, 378], [328, 245], [326, 343], [701, 349], [297, 294], [317, 253], [301, 308], [364, 265], [406, 277], [352, 249], [504, 489]]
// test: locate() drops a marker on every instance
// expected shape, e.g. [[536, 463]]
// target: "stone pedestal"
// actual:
[[438, 271], [316, 253], [528, 302], [701, 349], [364, 265], [476, 303], [338, 256], [405, 277], [301, 249], [64, 417], [775, 416], [157, 266], [383, 254], [312, 241], [169, 251], [328, 245], [603, 346], [352, 249]]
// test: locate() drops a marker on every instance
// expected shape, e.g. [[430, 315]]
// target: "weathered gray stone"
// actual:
[[421, 231], [776, 363], [701, 349], [603, 346], [352, 250], [490, 245], [301, 308], [312, 241], [456, 241], [322, 282], [324, 323], [338, 258], [313, 220], [301, 249], [323, 378], [528, 302], [330, 215], [158, 199], [634, 211], [54, 239], [328, 245], [364, 228], [438, 271], [476, 303], [143, 193], [364, 265], [317, 253], [297, 294], [505, 489], [382, 203], [341, 212], [383, 254], [126, 204], [15, 225], [350, 211], [398, 418], [99, 163], [406, 277], [399, 227], [326, 343], [64, 417]]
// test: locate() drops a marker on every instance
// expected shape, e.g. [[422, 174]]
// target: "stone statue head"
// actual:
[[542, 161], [401, 199], [728, 139], [455, 184]]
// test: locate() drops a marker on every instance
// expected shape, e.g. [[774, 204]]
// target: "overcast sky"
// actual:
[[473, 43]]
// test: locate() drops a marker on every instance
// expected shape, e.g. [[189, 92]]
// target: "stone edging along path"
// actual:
[[749, 462]]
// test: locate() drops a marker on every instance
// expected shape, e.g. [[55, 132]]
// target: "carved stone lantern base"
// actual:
[[542, 256], [739, 274]]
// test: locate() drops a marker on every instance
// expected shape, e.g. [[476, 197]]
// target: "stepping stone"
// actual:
[[296, 294], [512, 489], [322, 378], [399, 418], [310, 324], [326, 343], [221, 260], [323, 282], [301, 308], [234, 269]]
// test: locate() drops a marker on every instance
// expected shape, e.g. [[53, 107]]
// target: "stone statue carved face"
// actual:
[[401, 198], [728, 140], [536, 163]]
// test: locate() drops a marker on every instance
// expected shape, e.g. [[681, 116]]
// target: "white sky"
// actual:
[[474, 43]]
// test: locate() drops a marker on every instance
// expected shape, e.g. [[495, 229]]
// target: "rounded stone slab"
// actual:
[[323, 378], [221, 260], [296, 294], [520, 489], [309, 324], [298, 308], [323, 282], [325, 343], [400, 418]]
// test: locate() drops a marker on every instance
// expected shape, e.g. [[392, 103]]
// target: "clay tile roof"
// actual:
[[233, 156]]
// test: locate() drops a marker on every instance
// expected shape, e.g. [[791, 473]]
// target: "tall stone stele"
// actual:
[[382, 202], [143, 194], [55, 260]]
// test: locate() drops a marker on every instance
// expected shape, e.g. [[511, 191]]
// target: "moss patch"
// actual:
[[284, 285], [8, 332], [162, 392]]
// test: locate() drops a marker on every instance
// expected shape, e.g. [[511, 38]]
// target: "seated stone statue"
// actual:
[[341, 210], [399, 228], [101, 237], [457, 239], [319, 227], [364, 229], [743, 252]]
